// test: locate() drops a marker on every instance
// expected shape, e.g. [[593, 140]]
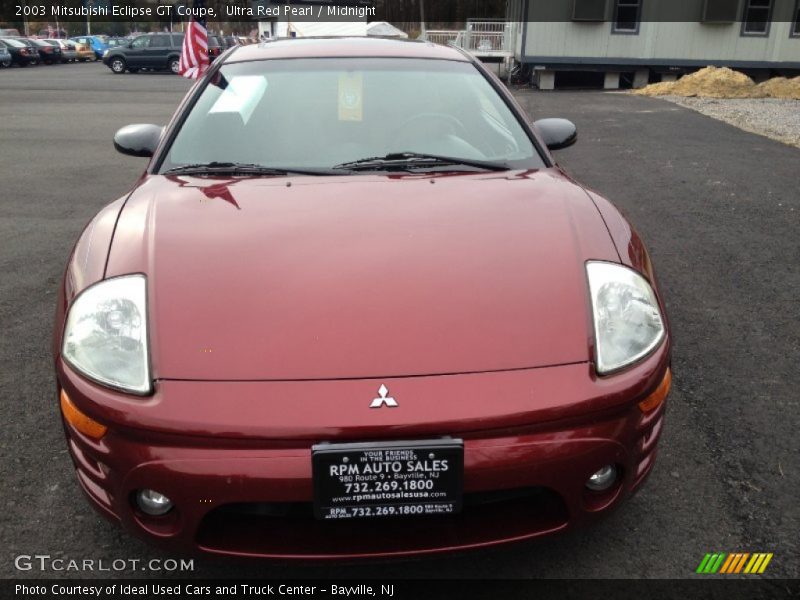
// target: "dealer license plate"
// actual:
[[387, 479]]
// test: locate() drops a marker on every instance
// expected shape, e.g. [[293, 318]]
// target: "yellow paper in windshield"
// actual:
[[351, 91]]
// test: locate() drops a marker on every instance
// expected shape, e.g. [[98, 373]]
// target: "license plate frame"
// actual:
[[428, 481]]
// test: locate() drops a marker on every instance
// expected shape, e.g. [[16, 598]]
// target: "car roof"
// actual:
[[331, 47]]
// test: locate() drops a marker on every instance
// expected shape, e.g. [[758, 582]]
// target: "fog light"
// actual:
[[602, 479], [153, 503]]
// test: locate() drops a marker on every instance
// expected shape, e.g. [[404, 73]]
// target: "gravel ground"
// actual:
[[776, 119]]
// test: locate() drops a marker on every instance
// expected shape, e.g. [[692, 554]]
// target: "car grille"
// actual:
[[290, 530]]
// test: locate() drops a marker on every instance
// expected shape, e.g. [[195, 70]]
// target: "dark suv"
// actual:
[[154, 51]]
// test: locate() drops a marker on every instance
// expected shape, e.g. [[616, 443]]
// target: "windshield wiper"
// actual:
[[415, 160], [233, 168]]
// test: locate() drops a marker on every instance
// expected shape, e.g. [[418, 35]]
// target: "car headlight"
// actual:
[[105, 53], [105, 337], [627, 320]]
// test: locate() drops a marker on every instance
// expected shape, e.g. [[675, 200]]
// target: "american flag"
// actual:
[[194, 54]]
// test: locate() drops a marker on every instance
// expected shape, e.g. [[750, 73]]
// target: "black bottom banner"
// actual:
[[127, 589]]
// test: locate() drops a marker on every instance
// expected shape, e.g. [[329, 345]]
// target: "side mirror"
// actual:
[[138, 140], [557, 133]]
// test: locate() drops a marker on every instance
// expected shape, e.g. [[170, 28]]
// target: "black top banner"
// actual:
[[436, 12], [212, 10]]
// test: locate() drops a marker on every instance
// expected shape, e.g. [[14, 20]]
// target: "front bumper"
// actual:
[[249, 495]]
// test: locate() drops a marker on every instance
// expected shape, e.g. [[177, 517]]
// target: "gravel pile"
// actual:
[[774, 118], [722, 82]]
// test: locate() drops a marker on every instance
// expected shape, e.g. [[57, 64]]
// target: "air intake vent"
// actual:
[[720, 11], [589, 10]]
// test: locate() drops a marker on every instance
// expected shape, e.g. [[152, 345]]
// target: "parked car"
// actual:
[[68, 51], [353, 285], [216, 46], [49, 53], [22, 52], [84, 51], [5, 56], [117, 41], [230, 41], [155, 51], [94, 42]]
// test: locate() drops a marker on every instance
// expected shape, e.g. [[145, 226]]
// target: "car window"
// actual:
[[159, 41], [177, 39], [15, 43], [141, 42], [318, 113]]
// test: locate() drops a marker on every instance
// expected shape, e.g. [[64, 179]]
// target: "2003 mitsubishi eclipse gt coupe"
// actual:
[[353, 308]]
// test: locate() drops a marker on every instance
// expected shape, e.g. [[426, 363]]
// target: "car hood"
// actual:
[[361, 276]]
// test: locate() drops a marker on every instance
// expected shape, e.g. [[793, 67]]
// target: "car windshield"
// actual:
[[324, 112], [14, 43]]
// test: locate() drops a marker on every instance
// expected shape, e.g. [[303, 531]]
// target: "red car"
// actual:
[[353, 308]]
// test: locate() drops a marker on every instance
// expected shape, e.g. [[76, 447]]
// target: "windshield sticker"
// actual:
[[351, 91]]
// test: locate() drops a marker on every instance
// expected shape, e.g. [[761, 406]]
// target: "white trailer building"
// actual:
[[650, 40]]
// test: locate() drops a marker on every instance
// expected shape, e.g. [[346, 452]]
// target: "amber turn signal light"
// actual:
[[654, 400], [87, 426]]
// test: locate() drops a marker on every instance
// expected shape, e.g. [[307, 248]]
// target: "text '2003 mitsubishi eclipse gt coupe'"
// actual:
[[353, 308]]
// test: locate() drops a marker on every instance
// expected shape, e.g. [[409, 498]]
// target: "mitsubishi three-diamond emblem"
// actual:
[[383, 400]]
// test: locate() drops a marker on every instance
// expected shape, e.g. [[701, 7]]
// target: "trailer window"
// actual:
[[627, 15], [756, 17]]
